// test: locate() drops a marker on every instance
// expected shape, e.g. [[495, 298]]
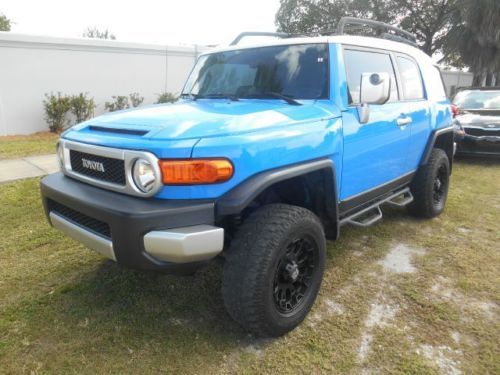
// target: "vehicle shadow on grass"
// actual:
[[476, 161], [153, 300], [118, 320]]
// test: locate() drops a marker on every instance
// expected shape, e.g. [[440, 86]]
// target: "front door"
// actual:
[[376, 152]]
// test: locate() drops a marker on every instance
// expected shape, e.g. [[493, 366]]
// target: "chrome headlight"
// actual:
[[144, 175], [60, 155]]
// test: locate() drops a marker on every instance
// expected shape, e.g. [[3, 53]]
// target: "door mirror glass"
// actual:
[[375, 88]]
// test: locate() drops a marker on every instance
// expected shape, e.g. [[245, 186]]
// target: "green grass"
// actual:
[[64, 309], [17, 146]]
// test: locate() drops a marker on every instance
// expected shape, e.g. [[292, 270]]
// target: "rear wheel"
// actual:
[[274, 268], [430, 186]]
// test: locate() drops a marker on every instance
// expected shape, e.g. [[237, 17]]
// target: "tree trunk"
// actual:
[[489, 79], [478, 78]]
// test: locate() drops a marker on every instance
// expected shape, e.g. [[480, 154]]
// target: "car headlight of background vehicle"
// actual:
[[144, 175]]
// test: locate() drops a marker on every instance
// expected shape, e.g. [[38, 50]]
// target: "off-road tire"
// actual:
[[252, 267], [428, 202]]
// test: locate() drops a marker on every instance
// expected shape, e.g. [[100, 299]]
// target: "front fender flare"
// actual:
[[237, 199]]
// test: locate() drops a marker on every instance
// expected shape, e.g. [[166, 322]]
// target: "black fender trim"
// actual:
[[237, 199], [448, 147]]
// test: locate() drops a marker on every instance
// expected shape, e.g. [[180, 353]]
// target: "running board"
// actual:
[[371, 214]]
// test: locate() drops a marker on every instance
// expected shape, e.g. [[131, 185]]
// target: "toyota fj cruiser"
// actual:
[[270, 149]]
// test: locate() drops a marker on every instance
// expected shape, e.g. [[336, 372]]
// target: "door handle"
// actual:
[[402, 121]]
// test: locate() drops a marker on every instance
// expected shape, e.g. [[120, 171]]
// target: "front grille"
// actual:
[[113, 170], [96, 226], [480, 132]]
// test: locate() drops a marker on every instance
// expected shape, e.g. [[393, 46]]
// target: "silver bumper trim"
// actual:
[[89, 239], [183, 245]]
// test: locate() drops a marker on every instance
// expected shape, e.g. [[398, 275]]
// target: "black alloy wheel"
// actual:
[[293, 274]]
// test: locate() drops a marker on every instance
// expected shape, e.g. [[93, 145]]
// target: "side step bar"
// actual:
[[371, 214]]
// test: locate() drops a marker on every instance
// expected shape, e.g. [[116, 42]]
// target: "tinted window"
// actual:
[[411, 80], [358, 62], [297, 71], [469, 99]]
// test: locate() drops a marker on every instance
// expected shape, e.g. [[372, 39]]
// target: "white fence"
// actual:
[[31, 66]]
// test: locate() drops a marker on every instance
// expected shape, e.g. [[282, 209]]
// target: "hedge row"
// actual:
[[58, 106]]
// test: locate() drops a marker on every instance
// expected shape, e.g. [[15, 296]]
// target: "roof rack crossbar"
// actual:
[[398, 34], [259, 33], [383, 30]]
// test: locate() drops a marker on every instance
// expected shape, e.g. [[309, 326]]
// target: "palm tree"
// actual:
[[474, 39]]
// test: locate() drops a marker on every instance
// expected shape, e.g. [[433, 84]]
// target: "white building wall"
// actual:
[[31, 66], [454, 79]]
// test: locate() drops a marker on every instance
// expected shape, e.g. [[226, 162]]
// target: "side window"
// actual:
[[358, 62], [411, 79]]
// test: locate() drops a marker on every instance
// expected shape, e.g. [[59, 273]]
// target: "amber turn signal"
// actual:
[[195, 171]]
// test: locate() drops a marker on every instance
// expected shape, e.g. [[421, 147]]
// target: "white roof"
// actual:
[[361, 41]]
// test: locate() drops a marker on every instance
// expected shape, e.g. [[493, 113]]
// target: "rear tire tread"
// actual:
[[422, 184]]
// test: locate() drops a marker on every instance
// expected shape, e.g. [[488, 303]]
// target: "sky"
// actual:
[[181, 22]]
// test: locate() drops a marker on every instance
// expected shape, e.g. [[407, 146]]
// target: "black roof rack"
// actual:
[[259, 33], [382, 30]]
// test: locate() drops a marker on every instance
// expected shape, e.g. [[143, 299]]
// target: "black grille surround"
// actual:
[[93, 225], [114, 169]]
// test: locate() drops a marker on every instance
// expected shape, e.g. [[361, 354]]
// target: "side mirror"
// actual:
[[375, 89]]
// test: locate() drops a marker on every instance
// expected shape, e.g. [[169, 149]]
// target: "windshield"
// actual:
[[293, 71], [469, 99]]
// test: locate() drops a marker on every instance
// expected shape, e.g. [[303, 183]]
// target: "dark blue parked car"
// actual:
[[271, 148]]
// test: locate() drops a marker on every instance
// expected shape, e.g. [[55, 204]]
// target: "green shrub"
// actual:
[[82, 107], [166, 97], [136, 99], [119, 102], [123, 102], [56, 107]]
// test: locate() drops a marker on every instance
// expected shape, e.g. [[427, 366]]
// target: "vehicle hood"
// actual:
[[189, 119], [488, 119]]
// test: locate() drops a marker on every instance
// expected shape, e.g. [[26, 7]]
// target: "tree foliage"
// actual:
[[123, 102], [166, 97], [427, 19], [95, 33], [56, 107], [303, 16], [5, 23], [82, 107], [474, 39]]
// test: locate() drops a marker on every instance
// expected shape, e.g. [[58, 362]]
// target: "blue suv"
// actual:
[[270, 150]]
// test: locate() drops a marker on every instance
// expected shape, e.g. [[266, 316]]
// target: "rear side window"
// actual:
[[411, 79], [359, 62]]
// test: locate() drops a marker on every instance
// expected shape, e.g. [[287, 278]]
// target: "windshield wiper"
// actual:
[[277, 95], [217, 96]]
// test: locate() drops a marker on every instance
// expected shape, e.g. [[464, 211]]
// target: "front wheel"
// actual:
[[430, 186], [274, 268]]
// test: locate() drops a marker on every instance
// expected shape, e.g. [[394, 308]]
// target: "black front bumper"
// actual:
[[478, 145], [124, 219]]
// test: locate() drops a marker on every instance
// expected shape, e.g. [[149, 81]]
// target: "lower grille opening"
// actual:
[[93, 225]]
